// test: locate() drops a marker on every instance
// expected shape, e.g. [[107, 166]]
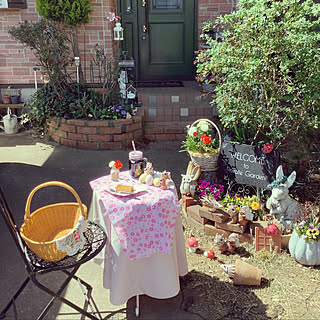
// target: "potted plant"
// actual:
[[304, 244], [6, 97], [202, 144], [15, 96]]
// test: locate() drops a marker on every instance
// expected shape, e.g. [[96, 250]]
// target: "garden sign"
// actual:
[[249, 165]]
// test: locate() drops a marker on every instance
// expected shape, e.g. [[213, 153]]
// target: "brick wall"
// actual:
[[96, 135], [211, 9], [16, 62]]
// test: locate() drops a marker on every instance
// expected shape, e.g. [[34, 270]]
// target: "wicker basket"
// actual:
[[207, 162], [44, 226]]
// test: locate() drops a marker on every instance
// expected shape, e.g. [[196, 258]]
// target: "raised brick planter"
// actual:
[[96, 135]]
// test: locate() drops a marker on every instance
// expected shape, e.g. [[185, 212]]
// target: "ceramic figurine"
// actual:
[[193, 244], [281, 205], [209, 254], [165, 175], [245, 215], [227, 246], [149, 171], [115, 167], [233, 211], [189, 180]]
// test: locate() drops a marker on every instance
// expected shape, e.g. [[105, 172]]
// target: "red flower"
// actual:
[[203, 136], [118, 164], [267, 148], [195, 133], [206, 140]]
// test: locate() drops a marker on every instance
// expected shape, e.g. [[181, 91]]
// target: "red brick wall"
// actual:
[[211, 9], [16, 62], [97, 135]]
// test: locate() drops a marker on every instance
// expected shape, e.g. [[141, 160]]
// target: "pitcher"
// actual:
[[137, 163]]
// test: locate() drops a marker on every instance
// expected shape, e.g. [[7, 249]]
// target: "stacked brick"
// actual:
[[213, 221], [96, 135]]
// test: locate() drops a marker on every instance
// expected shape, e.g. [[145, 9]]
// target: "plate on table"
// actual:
[[136, 189]]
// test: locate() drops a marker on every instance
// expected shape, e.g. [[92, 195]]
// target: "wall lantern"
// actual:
[[77, 62], [118, 32]]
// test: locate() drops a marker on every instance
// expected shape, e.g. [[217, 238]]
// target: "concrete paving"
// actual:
[[25, 162]]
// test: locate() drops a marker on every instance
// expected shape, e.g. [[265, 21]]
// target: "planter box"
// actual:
[[96, 135]]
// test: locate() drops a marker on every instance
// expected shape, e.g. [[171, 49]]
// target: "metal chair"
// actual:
[[35, 266]]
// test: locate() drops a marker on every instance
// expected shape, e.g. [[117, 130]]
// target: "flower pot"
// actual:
[[304, 252], [15, 99], [246, 274], [6, 99]]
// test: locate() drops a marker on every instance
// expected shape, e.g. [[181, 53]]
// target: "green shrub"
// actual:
[[267, 69]]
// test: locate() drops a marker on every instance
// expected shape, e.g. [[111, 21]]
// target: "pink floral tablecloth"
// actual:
[[144, 222]]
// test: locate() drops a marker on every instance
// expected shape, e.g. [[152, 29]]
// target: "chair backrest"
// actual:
[[12, 227]]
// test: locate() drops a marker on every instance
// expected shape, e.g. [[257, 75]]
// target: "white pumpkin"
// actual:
[[306, 253]]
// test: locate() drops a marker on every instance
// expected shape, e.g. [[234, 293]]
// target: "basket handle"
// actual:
[[207, 120], [47, 184]]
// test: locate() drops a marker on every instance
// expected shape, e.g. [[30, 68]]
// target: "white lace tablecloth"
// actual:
[[156, 272]]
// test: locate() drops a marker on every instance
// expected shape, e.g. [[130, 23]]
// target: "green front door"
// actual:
[[159, 34]]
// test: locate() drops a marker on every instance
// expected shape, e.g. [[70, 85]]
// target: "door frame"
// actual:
[[135, 37]]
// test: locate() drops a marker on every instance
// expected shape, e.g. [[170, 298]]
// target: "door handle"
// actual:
[[143, 3], [144, 28]]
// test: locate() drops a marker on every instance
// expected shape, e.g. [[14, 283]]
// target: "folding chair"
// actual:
[[95, 240]]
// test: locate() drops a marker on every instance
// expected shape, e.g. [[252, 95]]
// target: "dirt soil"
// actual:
[[288, 290]]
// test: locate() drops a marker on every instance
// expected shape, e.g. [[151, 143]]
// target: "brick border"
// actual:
[[96, 135]]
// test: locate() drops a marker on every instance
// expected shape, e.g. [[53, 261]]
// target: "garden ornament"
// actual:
[[245, 215], [189, 180], [209, 254], [227, 246], [281, 205], [233, 211], [149, 171], [193, 244]]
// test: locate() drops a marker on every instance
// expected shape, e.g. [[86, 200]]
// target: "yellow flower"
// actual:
[[238, 199], [255, 206], [312, 233]]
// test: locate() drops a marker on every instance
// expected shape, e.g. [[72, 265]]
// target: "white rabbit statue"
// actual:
[[281, 205], [189, 180]]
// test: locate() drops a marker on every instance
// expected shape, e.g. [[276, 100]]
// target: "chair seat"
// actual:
[[95, 241]]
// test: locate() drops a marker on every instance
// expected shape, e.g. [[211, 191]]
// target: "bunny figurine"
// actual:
[[189, 180], [281, 205]]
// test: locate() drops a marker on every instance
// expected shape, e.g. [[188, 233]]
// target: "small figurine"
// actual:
[[115, 169], [189, 180], [193, 244], [165, 175], [227, 246], [245, 215], [149, 171], [281, 205], [209, 254], [233, 211]]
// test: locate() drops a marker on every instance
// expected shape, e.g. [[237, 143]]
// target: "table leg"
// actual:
[[137, 305]]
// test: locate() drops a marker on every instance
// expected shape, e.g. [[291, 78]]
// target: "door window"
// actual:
[[167, 4]]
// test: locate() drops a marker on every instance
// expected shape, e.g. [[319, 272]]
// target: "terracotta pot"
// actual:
[[6, 99], [246, 274]]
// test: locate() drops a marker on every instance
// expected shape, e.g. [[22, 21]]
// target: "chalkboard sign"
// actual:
[[249, 165]]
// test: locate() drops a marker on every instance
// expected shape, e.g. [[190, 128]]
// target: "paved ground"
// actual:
[[25, 162]]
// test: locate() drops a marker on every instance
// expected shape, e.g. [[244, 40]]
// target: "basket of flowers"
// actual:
[[203, 143], [45, 226]]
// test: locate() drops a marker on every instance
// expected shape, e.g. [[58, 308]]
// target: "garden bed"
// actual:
[[96, 134]]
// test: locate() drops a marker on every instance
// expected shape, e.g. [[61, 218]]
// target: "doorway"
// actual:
[[159, 35]]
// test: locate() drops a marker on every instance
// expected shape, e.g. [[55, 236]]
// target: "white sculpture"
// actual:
[[189, 180], [281, 205]]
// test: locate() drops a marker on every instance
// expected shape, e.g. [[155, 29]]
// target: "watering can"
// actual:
[[10, 122]]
